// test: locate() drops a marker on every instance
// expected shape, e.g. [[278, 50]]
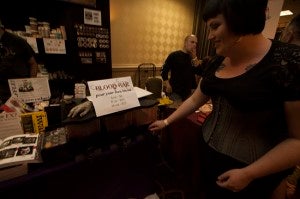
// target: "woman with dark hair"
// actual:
[[252, 136]]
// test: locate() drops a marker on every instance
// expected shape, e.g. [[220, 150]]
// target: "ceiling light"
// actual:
[[285, 13]]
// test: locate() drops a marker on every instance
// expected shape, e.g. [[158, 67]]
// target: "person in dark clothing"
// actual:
[[291, 33], [290, 189], [252, 136], [17, 60], [181, 65]]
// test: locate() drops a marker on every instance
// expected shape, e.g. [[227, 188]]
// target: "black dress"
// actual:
[[248, 117]]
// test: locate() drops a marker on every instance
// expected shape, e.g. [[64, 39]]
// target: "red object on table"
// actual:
[[201, 116]]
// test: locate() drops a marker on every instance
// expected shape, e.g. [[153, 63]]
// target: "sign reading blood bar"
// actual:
[[112, 95]]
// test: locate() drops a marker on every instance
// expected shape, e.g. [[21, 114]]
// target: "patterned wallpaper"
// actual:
[[148, 30]]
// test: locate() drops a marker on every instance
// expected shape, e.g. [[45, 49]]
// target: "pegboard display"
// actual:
[[91, 40], [88, 46]]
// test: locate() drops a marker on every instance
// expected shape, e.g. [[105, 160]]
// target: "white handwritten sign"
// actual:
[[112, 95]]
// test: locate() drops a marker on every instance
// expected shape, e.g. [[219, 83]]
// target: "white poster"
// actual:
[[54, 46], [32, 42], [30, 89], [112, 95], [92, 17]]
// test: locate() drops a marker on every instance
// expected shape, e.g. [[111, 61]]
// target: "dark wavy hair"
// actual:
[[242, 16]]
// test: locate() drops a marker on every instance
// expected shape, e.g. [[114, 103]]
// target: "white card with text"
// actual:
[[112, 95]]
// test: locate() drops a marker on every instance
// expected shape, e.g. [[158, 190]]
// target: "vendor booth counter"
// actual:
[[109, 157]]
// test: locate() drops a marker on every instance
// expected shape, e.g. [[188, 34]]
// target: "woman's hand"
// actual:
[[234, 180], [157, 125]]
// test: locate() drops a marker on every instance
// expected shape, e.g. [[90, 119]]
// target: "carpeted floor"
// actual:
[[168, 185], [171, 184]]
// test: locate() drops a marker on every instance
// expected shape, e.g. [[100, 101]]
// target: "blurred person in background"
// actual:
[[291, 34], [179, 69], [288, 189], [17, 60]]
